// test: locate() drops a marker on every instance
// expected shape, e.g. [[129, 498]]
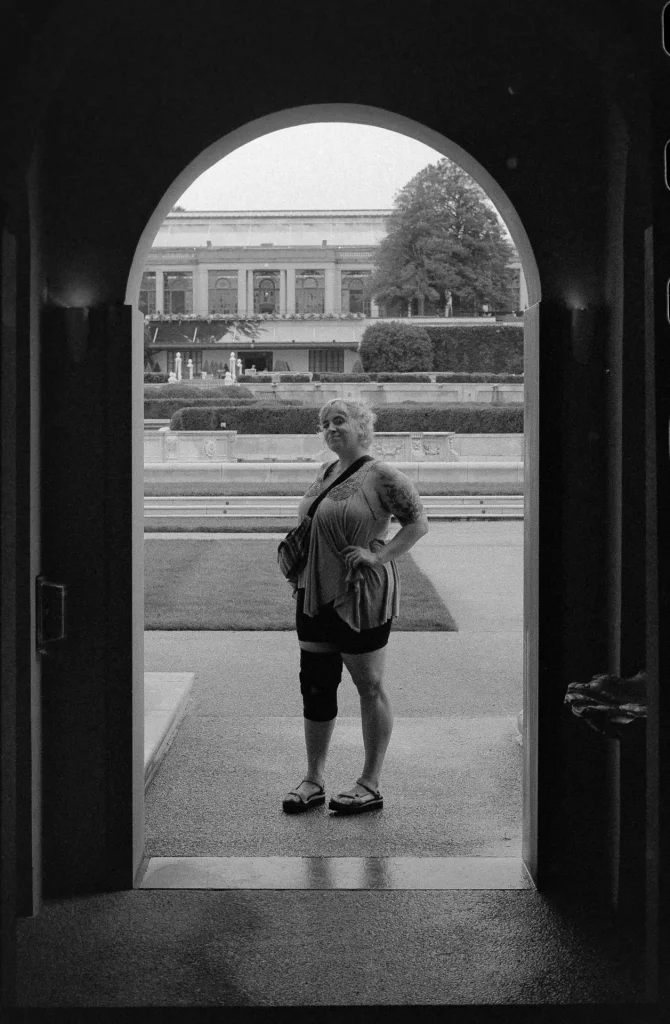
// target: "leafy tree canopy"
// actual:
[[445, 247]]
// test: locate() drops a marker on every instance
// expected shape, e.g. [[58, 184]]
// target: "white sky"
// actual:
[[312, 167]]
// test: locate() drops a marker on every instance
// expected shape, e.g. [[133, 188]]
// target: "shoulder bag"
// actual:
[[293, 550]]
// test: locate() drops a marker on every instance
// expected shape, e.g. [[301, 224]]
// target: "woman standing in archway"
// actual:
[[347, 597]]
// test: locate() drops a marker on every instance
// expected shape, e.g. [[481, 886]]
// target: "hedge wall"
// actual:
[[454, 376], [395, 347], [485, 348], [403, 378], [156, 378], [344, 378], [479, 378], [163, 408], [189, 391], [271, 419], [462, 418]]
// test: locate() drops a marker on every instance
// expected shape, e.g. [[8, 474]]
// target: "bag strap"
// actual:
[[343, 476]]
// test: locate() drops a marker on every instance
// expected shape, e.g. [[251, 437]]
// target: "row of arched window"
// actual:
[[223, 292]]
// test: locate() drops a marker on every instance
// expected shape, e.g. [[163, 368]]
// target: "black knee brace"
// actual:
[[320, 676]]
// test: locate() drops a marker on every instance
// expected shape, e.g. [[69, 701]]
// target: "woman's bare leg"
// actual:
[[317, 742], [367, 672]]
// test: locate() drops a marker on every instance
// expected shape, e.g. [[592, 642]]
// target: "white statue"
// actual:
[[172, 379], [190, 369], [231, 364], [239, 367], [203, 374], [177, 365], [227, 380]]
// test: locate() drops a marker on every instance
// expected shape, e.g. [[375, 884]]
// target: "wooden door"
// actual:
[[90, 705]]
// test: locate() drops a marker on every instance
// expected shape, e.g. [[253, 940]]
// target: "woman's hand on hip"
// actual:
[[354, 556]]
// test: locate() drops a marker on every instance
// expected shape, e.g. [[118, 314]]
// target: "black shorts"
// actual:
[[327, 627]]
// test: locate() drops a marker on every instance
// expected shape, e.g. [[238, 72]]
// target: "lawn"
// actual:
[[201, 584], [214, 487]]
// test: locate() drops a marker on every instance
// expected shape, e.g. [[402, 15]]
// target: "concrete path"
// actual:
[[477, 569], [166, 697], [452, 778]]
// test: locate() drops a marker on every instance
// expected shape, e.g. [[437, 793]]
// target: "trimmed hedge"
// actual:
[[161, 403], [257, 419], [462, 418], [479, 378], [403, 378], [189, 391], [454, 377], [346, 378], [396, 347], [485, 348], [284, 378], [271, 419], [163, 408], [156, 378]]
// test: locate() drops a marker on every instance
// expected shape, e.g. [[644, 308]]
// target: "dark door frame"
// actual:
[[360, 114]]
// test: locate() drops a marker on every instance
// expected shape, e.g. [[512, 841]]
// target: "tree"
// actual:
[[396, 348], [445, 247]]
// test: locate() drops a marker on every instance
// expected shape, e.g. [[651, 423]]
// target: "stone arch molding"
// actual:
[[351, 113]]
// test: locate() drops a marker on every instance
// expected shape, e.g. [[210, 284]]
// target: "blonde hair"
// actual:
[[357, 411]]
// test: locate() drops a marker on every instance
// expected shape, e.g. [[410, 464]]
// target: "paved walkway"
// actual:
[[452, 781]]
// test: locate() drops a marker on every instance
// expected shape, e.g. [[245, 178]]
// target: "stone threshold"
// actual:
[[360, 873]]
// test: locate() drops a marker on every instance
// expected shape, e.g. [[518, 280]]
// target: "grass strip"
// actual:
[[220, 584], [217, 524], [163, 490]]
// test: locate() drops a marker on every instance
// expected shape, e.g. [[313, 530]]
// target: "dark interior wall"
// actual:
[[135, 109], [634, 398], [137, 97], [657, 369]]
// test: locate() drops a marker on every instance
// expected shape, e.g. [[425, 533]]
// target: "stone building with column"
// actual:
[[302, 276]]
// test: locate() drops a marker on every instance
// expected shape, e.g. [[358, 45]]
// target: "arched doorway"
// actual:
[[266, 293]]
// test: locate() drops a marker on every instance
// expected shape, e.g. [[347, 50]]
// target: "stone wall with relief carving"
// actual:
[[228, 446]]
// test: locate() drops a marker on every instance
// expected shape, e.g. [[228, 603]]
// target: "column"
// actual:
[[282, 289], [159, 291], [332, 302], [200, 290], [523, 290], [290, 289], [241, 289], [250, 290]]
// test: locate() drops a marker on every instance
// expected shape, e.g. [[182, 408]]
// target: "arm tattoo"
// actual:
[[399, 496]]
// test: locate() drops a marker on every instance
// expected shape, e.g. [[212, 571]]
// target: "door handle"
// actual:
[[50, 613]]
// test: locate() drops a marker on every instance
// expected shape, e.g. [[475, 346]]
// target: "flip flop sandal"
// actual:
[[304, 803], [359, 804]]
